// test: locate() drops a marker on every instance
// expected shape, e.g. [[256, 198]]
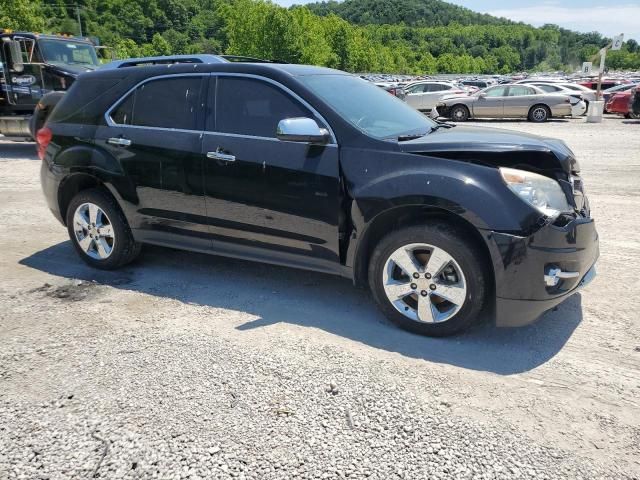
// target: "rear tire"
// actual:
[[446, 264], [539, 114], [459, 113], [99, 230]]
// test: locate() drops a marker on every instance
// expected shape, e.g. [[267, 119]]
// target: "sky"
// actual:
[[609, 18]]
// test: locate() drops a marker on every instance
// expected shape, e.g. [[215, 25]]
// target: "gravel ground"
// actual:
[[194, 366]]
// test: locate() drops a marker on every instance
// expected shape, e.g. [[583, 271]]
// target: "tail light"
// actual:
[[43, 139]]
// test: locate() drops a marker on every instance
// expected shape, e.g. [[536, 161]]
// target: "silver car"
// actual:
[[425, 95], [505, 101], [578, 103]]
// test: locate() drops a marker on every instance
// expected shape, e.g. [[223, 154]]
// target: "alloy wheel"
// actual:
[[93, 231], [424, 283], [539, 114], [459, 114]]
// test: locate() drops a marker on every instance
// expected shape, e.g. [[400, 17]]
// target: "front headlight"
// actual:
[[539, 191]]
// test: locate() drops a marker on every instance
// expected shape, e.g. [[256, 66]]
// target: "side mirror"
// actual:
[[304, 130], [482, 95], [16, 63]]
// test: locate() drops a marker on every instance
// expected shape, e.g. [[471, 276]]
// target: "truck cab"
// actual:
[[33, 65]]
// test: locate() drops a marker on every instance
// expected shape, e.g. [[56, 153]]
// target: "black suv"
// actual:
[[317, 169]]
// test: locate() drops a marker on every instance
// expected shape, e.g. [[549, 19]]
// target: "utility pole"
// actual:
[[616, 44], [603, 56], [78, 17]]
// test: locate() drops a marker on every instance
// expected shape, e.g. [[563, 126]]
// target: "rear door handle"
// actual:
[[119, 141], [218, 155]]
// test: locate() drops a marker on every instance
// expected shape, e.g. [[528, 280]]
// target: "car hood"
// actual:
[[70, 70], [495, 147], [457, 95]]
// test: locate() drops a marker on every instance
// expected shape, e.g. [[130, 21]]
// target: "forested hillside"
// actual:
[[426, 13], [357, 35]]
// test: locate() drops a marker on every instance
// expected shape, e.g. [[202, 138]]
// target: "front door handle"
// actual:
[[219, 155], [119, 141]]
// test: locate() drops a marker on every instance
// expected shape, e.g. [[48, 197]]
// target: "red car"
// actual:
[[620, 103], [634, 103], [606, 83]]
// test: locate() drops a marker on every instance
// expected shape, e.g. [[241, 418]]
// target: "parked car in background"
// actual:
[[393, 88], [477, 83], [588, 95], [529, 81], [423, 96], [606, 83], [635, 103], [506, 101], [621, 102], [578, 104], [609, 92], [317, 169]]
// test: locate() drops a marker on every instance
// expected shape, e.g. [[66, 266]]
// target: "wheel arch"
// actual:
[[409, 215], [74, 184], [87, 167]]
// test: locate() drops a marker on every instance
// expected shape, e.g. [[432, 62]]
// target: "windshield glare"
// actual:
[[368, 107], [68, 53]]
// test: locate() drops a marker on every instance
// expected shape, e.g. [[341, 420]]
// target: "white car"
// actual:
[[425, 95], [588, 95]]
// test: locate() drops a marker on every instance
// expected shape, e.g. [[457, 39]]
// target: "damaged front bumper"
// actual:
[[534, 274]]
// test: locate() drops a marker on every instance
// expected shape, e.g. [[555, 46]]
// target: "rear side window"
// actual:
[[253, 107], [165, 103], [520, 91], [124, 113]]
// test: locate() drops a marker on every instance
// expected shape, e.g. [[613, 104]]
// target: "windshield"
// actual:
[[368, 107], [63, 52]]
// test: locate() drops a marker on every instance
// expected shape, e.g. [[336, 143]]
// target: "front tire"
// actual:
[[459, 113], [99, 230], [428, 279]]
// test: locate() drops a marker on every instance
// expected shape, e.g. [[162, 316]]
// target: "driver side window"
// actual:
[[495, 92], [416, 89]]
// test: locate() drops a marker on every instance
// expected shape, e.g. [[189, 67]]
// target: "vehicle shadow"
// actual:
[[516, 120], [17, 150], [277, 294]]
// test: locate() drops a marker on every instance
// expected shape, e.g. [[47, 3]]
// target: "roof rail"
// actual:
[[242, 58], [162, 60], [173, 59]]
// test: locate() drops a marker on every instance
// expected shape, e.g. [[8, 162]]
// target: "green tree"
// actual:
[[22, 15]]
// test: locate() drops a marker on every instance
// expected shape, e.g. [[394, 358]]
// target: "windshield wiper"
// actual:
[[442, 125], [406, 138]]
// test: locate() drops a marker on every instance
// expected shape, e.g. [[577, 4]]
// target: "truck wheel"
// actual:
[[459, 113], [99, 230], [539, 114], [428, 279]]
